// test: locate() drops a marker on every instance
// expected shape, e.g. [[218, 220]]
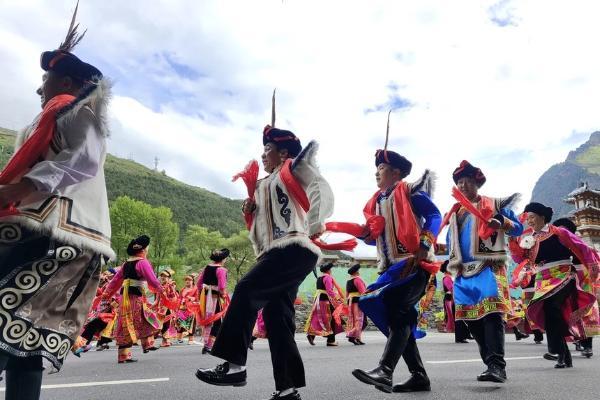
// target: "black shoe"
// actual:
[[587, 353], [550, 357], [564, 360], [353, 341], [153, 348], [578, 347], [360, 342], [380, 376], [418, 382], [493, 374], [538, 341], [219, 376], [461, 341], [520, 335], [311, 340], [295, 395], [131, 360], [205, 350]]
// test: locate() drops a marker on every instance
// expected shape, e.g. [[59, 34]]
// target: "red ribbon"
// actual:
[[484, 215]]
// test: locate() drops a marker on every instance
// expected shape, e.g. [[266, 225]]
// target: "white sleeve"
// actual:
[[317, 189], [77, 162]]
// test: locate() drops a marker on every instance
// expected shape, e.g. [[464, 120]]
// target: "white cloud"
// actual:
[[505, 96]]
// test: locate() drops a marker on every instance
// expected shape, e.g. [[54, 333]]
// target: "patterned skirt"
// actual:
[[320, 321], [260, 330], [550, 281], [481, 294], [591, 321], [46, 289], [144, 322], [356, 321]]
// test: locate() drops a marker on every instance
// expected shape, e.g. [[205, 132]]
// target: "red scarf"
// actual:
[[35, 147], [484, 211], [407, 231]]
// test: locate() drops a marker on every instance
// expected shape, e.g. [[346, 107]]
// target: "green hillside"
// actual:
[[590, 159], [581, 165], [190, 204]]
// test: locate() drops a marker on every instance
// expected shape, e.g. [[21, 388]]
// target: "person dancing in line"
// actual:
[[135, 319], [101, 315], [585, 279], [355, 287], [460, 329], [186, 320], [289, 208], [559, 303], [478, 226], [328, 297], [214, 300], [166, 307], [54, 220]]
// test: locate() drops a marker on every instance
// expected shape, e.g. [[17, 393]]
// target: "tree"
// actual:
[[128, 219], [199, 242], [163, 232], [242, 254], [131, 218]]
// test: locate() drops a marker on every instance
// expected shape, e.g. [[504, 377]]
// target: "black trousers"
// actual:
[[556, 326], [23, 376], [400, 308], [461, 331], [272, 284], [489, 335], [93, 327]]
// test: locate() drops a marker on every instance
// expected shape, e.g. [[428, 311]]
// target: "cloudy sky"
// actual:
[[511, 86]]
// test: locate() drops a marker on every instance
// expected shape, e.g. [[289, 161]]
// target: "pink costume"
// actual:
[[320, 321], [448, 302], [135, 319], [355, 287], [212, 289]]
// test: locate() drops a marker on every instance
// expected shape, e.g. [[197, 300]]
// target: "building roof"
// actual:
[[583, 188]]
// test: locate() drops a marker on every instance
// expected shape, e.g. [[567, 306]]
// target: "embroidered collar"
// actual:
[[385, 194]]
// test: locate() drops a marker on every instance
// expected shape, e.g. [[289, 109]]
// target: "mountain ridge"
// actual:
[[581, 165]]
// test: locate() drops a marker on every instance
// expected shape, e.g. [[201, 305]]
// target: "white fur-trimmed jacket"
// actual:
[[71, 204], [278, 219]]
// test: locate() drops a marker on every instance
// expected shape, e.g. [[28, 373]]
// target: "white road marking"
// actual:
[[479, 360], [87, 384]]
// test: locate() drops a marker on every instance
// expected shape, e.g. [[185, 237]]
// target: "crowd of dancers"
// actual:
[[55, 236]]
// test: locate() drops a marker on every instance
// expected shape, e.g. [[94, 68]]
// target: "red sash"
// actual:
[[483, 212], [250, 177], [35, 147], [407, 232]]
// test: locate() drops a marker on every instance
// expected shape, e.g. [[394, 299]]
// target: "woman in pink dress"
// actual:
[[135, 319]]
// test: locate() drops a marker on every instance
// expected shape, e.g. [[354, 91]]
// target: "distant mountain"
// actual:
[[190, 204], [581, 165]]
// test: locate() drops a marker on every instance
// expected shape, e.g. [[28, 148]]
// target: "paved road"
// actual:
[[451, 367]]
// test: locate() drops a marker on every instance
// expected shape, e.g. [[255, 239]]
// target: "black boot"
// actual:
[[519, 335], [418, 382], [380, 376]]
